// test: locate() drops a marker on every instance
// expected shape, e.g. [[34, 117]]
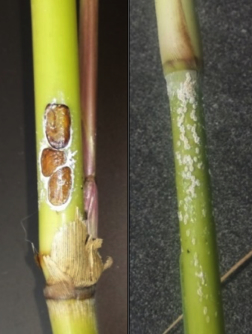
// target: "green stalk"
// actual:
[[181, 60], [68, 255]]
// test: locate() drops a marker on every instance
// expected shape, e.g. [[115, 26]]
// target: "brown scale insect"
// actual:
[[57, 127], [59, 186], [50, 160]]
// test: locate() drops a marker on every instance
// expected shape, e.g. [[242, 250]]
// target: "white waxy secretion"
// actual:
[[186, 127]]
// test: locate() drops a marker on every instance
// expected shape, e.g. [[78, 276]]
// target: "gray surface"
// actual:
[[22, 306], [154, 245]]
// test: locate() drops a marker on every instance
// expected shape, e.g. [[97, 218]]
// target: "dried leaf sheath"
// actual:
[[74, 267], [74, 257]]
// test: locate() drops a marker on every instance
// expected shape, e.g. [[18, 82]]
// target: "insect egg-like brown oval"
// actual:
[[50, 160], [59, 186], [57, 125]]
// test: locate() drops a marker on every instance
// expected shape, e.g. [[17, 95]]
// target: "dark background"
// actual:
[[154, 245], [22, 306]]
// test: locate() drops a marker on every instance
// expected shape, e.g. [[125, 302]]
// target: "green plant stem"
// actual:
[[65, 248], [68, 317], [181, 59], [56, 80], [227, 275], [178, 33], [198, 261]]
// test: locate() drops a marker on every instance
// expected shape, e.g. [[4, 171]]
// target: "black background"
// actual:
[[154, 245], [22, 306]]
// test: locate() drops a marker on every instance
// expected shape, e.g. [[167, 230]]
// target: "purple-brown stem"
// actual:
[[91, 205], [88, 70]]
